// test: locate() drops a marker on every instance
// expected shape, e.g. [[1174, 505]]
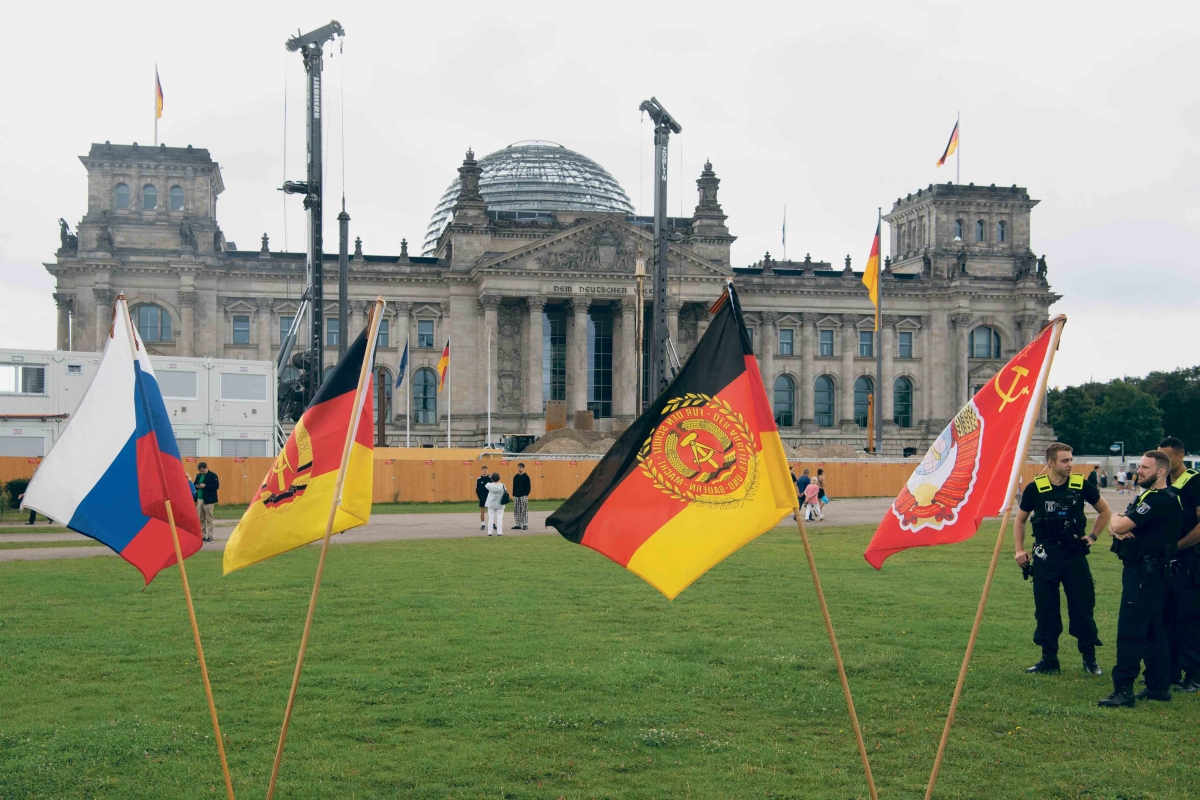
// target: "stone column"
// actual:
[[702, 320], [927, 376], [399, 335], [357, 320], [673, 309], [849, 349], [85, 319], [577, 335], [769, 338], [102, 317], [885, 397], [960, 353], [490, 304], [533, 386], [808, 346], [63, 336], [625, 388], [265, 317], [187, 323]]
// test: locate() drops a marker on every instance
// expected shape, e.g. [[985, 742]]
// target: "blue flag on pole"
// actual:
[[403, 366]]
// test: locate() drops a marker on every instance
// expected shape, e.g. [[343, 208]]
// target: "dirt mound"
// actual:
[[568, 441]]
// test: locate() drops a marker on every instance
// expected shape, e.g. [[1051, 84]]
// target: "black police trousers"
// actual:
[[1181, 616], [1070, 569], [1141, 635]]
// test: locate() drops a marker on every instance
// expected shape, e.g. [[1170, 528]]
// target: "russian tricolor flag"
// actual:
[[116, 464]]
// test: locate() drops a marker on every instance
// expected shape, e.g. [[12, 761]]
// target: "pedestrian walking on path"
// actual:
[[207, 485], [520, 492], [497, 497], [481, 492]]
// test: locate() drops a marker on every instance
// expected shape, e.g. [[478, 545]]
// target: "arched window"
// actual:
[[902, 399], [325, 373], [1001, 232], [385, 380], [958, 230], [424, 397], [823, 401], [979, 230], [121, 196], [176, 198], [785, 401], [153, 323], [984, 343], [149, 197], [863, 387]]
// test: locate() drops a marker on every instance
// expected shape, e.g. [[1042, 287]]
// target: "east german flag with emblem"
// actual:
[[291, 508], [966, 473], [698, 475]]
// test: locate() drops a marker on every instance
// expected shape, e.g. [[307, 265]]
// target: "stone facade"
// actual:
[[550, 303]]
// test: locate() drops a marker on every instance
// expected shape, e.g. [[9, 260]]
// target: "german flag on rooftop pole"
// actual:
[[289, 509], [698, 475]]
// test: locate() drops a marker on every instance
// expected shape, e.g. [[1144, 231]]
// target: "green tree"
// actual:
[[1178, 395], [1127, 414], [1068, 411]]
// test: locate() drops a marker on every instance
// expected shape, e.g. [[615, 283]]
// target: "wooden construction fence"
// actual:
[[409, 480]]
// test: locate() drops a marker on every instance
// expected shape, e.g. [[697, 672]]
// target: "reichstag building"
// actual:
[[530, 252]]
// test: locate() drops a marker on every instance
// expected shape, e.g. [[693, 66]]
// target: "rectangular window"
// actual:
[[188, 447], [24, 446], [554, 356], [785, 341], [20, 379], [424, 333], [599, 362], [906, 350], [750, 333], [285, 325], [331, 331], [244, 448], [383, 334], [826, 343], [74, 369], [241, 330], [243, 386], [866, 344], [176, 385]]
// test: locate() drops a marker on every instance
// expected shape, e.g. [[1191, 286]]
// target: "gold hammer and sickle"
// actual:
[[1009, 397], [701, 453]]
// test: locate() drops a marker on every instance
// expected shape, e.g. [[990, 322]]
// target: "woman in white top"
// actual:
[[495, 508]]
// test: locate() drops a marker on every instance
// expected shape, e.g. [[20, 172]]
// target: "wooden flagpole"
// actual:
[[1035, 408], [837, 653], [212, 707], [364, 372], [187, 595]]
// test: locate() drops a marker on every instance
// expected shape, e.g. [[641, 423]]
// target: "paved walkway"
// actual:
[[400, 527]]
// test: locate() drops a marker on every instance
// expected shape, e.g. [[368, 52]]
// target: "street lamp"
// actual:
[[1118, 447]]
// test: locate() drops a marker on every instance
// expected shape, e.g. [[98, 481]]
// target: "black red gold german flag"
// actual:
[[698, 475]]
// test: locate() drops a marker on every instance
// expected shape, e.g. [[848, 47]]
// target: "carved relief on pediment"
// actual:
[[601, 249]]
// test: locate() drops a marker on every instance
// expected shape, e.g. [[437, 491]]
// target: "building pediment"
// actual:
[[606, 244]]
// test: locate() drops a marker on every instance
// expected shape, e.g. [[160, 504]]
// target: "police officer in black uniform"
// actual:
[[1060, 556], [1181, 614], [1144, 539]]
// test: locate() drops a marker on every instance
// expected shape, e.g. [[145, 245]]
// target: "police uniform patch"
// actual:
[[1143, 509]]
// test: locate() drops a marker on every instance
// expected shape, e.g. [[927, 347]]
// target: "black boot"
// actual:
[[1089, 664], [1162, 695], [1047, 666], [1122, 696]]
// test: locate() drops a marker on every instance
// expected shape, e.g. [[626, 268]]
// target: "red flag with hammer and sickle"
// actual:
[[967, 472]]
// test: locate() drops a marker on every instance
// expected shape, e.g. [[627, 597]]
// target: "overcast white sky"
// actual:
[[832, 111]]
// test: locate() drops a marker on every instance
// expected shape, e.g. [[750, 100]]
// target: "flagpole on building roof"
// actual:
[[351, 431], [958, 149], [187, 592], [1035, 410], [879, 387]]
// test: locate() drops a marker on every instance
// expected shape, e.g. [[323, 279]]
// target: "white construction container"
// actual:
[[218, 407]]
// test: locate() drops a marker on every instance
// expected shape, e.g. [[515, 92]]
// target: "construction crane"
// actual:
[[309, 360], [662, 351]]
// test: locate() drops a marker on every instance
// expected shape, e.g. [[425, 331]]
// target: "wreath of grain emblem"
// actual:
[[664, 485]]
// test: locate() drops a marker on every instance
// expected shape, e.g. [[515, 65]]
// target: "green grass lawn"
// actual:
[[235, 512], [22, 545], [532, 668]]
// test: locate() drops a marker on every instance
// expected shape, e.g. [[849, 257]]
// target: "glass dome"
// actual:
[[535, 176]]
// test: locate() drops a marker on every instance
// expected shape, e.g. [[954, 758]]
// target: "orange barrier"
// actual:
[[432, 480]]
